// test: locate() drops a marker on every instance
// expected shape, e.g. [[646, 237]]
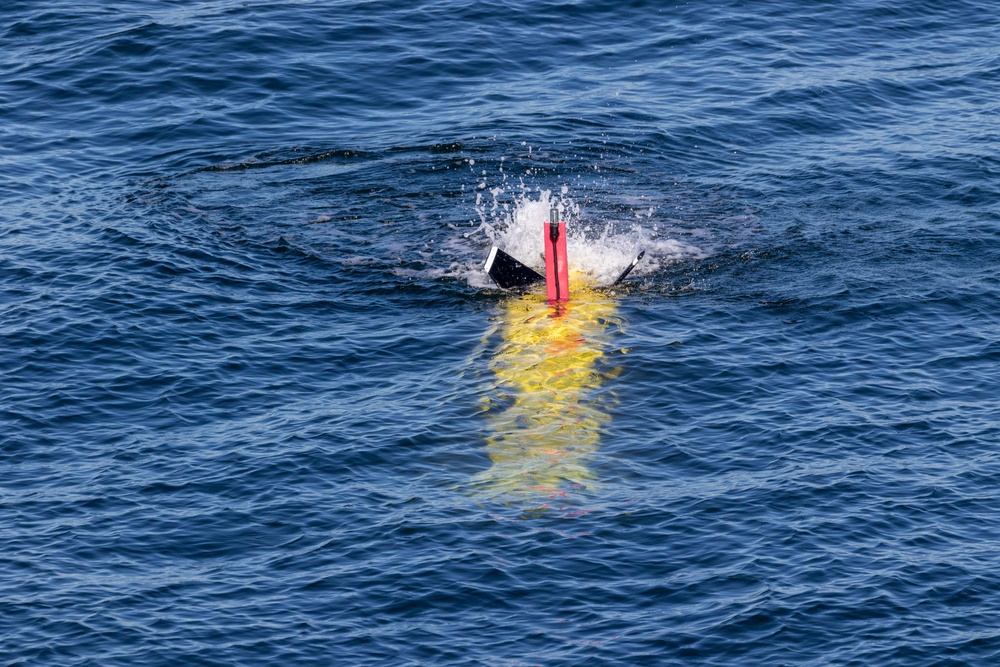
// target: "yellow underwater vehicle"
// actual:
[[546, 414]]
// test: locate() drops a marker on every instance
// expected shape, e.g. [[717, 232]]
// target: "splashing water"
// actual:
[[598, 252]]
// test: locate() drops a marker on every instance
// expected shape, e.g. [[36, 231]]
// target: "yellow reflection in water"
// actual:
[[545, 418]]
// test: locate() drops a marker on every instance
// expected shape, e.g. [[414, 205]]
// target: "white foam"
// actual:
[[599, 250]]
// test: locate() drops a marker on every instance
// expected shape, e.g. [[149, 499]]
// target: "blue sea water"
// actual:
[[260, 404]]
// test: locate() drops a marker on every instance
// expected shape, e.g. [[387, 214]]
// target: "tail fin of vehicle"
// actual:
[[507, 272]]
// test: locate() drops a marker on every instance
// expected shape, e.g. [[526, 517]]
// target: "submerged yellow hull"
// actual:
[[545, 416]]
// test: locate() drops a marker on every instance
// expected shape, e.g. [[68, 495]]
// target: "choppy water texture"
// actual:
[[260, 405]]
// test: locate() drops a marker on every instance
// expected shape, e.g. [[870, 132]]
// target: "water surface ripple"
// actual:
[[261, 405]]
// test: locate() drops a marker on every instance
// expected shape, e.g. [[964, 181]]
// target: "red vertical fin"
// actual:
[[556, 266]]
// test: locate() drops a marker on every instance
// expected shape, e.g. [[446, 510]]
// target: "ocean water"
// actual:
[[261, 405]]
